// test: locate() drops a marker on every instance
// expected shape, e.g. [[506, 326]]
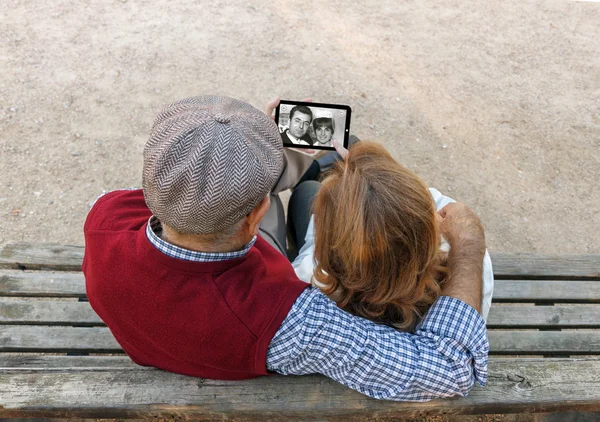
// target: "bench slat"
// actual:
[[546, 291], [23, 255], [49, 312], [569, 316], [40, 256], [525, 385], [544, 342], [65, 284], [534, 266], [33, 361], [41, 284], [26, 338], [559, 316]]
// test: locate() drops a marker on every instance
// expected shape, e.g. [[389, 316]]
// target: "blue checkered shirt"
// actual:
[[444, 357]]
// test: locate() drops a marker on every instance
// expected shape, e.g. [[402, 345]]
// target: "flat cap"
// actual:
[[209, 161]]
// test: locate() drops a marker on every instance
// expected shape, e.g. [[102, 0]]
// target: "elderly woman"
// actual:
[[373, 244]]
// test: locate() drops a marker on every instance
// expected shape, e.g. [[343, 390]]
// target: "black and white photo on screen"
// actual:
[[311, 126]]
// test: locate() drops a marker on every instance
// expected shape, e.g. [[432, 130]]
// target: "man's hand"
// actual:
[[272, 105], [463, 230], [461, 226]]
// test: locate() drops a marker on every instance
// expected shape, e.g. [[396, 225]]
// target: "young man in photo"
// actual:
[[297, 132]]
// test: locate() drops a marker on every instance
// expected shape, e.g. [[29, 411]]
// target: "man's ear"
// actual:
[[257, 214]]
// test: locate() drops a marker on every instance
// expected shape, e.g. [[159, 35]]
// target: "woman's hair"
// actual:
[[377, 240], [323, 121]]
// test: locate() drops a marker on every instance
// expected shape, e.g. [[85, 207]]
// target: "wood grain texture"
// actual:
[[559, 316], [544, 342], [28, 256], [22, 255], [535, 266], [25, 338], [546, 291], [70, 284], [71, 313], [41, 284], [47, 312], [514, 385], [32, 361]]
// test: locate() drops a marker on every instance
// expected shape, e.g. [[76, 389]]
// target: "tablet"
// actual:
[[313, 125]]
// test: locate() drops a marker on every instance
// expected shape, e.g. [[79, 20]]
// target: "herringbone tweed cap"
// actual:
[[209, 161]]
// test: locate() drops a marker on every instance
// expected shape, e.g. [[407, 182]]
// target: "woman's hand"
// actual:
[[340, 149]]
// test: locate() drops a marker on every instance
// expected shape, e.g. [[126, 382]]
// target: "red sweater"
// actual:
[[211, 320]]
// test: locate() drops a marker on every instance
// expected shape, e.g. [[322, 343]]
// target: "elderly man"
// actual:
[[297, 132], [181, 276]]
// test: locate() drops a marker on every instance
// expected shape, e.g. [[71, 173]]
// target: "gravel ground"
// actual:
[[494, 103]]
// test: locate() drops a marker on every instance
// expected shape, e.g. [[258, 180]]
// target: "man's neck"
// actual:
[[198, 243]]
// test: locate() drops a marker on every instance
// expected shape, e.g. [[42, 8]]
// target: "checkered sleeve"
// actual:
[[444, 357]]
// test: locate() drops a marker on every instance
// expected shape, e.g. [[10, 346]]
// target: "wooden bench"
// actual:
[[57, 359]]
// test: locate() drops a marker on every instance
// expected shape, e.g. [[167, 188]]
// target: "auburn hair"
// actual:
[[377, 243]]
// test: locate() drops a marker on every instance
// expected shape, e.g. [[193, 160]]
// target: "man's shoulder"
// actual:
[[118, 210], [306, 138], [286, 139]]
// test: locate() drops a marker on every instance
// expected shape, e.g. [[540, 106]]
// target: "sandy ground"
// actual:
[[494, 103]]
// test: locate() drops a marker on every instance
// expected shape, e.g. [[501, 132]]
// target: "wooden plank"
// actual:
[[565, 316], [47, 312], [24, 338], [535, 266], [28, 256], [32, 361], [50, 312], [546, 291], [41, 283], [544, 342], [23, 255], [514, 385], [65, 284]]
